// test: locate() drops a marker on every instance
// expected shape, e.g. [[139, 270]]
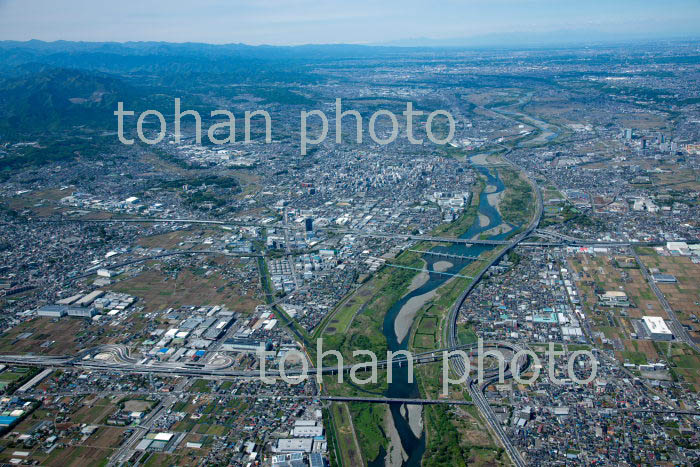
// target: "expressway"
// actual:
[[127, 364], [564, 240], [450, 337]]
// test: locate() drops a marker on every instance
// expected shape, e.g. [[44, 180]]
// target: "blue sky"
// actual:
[[336, 21]]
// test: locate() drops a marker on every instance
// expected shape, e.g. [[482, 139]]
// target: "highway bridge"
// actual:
[[563, 240], [446, 255]]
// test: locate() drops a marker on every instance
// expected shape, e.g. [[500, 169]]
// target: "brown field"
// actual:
[[683, 296], [671, 178], [647, 348], [643, 121], [106, 437], [137, 405], [62, 331], [158, 291], [171, 240], [615, 323], [186, 457], [41, 203], [686, 365], [93, 411], [77, 456], [635, 349]]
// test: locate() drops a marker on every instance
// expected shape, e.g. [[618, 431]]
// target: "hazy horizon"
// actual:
[[297, 22]]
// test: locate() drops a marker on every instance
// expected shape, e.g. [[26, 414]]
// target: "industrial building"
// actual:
[[295, 445], [218, 329], [59, 311], [241, 345], [81, 312], [52, 311], [89, 298], [664, 278], [656, 328]]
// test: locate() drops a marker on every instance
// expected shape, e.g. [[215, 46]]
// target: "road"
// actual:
[[457, 364], [446, 255], [130, 365], [126, 450], [679, 331]]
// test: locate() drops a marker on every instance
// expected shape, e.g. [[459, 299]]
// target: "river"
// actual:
[[414, 446]]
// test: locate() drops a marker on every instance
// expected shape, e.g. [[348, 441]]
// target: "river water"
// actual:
[[400, 388]]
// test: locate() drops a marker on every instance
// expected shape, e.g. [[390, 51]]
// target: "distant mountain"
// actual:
[[244, 62], [54, 99]]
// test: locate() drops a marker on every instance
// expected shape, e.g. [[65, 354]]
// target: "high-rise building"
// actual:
[[309, 222], [628, 134]]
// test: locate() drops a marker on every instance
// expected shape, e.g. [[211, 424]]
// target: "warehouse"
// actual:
[[307, 431], [89, 298], [295, 445], [664, 278], [217, 330], [81, 312], [656, 328], [241, 345], [52, 311]]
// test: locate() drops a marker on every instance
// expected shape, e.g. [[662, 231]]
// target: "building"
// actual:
[[81, 312], [69, 300], [89, 298], [52, 311], [241, 345], [316, 460], [678, 248], [218, 329], [656, 327], [289, 460], [614, 298], [664, 278], [35, 380], [309, 224], [59, 311], [307, 431], [295, 445]]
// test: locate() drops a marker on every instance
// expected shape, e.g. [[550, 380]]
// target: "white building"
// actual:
[[656, 328], [295, 445]]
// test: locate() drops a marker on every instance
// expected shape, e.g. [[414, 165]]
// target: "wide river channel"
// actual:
[[413, 439]]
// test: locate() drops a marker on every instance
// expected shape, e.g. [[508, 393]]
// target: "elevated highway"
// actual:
[[126, 364]]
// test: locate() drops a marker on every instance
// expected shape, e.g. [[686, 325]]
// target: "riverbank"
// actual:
[[407, 314], [395, 454], [420, 279]]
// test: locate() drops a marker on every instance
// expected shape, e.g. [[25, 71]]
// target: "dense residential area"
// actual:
[[193, 303]]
